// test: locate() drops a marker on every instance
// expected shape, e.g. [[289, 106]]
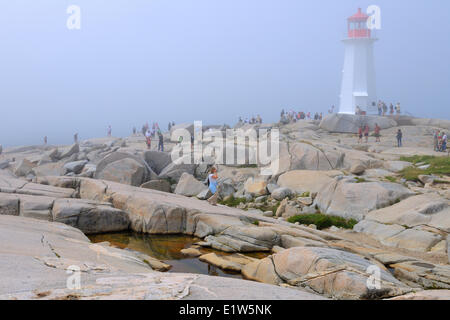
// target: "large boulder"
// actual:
[[157, 160], [89, 216], [75, 166], [174, 170], [349, 199], [23, 168], [226, 188], [307, 180], [306, 156], [334, 273], [281, 193], [125, 168], [127, 171], [69, 151], [256, 186], [189, 186], [49, 169], [348, 123]]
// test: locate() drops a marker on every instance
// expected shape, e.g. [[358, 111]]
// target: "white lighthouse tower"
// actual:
[[358, 77]]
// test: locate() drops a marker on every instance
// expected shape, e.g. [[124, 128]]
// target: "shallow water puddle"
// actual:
[[167, 249]]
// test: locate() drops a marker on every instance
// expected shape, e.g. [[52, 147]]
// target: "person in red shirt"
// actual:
[[366, 133], [377, 132]]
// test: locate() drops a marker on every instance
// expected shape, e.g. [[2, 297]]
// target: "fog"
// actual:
[[185, 60]]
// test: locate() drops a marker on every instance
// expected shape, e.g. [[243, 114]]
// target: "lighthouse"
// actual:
[[358, 76]]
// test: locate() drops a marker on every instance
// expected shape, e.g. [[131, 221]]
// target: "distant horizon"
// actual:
[[172, 60]]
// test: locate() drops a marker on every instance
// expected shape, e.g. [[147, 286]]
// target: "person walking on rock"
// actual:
[[360, 134], [213, 186], [377, 132], [399, 138]]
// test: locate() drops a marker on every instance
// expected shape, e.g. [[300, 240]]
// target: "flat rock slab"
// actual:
[[425, 209], [35, 255], [307, 180]]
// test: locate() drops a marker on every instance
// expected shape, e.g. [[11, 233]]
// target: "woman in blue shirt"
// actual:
[[213, 186]]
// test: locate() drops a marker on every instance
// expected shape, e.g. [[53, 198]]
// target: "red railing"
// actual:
[[359, 33]]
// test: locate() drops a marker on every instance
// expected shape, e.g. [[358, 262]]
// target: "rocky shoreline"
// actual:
[[50, 197]]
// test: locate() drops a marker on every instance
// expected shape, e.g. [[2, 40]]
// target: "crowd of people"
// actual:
[[364, 131], [252, 120], [440, 141], [150, 133], [384, 110], [293, 116]]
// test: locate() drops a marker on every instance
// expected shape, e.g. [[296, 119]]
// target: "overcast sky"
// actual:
[[213, 60]]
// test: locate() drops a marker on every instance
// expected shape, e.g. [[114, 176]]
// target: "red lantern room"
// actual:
[[357, 25]]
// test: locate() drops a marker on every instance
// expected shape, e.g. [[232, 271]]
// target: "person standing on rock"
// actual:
[[360, 134], [109, 131], [377, 132], [366, 133], [213, 186], [75, 138], [444, 142], [391, 109], [160, 142], [148, 137], [45, 140], [397, 108], [436, 140], [399, 138]]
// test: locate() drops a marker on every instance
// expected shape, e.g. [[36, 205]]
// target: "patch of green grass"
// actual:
[[438, 166], [391, 178], [360, 180], [170, 180], [248, 166], [323, 221], [256, 222], [305, 194], [232, 201]]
